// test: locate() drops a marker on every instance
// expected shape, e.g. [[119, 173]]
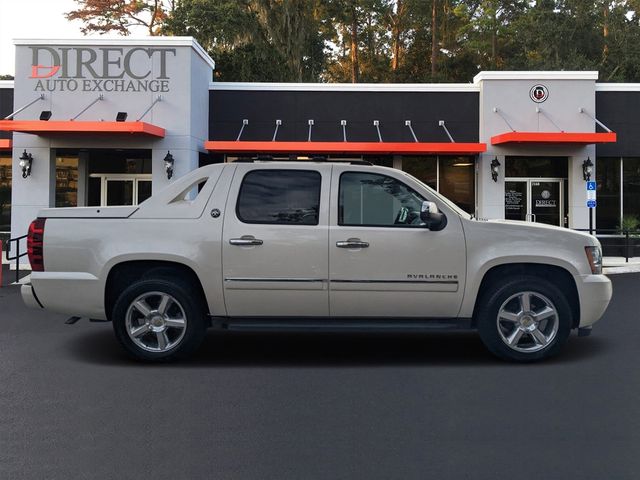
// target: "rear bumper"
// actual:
[[29, 297], [72, 293], [595, 292]]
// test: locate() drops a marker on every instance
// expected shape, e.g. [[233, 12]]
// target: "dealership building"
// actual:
[[97, 122]]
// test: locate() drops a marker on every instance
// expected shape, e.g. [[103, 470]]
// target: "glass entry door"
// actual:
[[535, 200], [123, 189]]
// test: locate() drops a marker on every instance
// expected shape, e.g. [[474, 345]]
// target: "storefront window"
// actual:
[[608, 177], [630, 188], [453, 177], [5, 193], [536, 167], [67, 181], [457, 181], [424, 169]]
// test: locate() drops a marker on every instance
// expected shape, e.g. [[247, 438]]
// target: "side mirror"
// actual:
[[433, 219]]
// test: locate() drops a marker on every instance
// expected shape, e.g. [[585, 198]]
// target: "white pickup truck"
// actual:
[[312, 246]]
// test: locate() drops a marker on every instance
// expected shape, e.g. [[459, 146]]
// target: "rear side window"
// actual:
[[281, 197]]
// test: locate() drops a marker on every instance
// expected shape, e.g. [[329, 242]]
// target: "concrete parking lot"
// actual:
[[72, 406]]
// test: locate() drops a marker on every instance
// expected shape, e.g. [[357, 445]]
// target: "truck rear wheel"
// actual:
[[524, 319], [158, 319]]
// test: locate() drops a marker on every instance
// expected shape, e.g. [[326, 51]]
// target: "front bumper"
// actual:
[[595, 293]]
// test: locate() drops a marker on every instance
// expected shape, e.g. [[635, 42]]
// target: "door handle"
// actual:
[[352, 243], [246, 240]]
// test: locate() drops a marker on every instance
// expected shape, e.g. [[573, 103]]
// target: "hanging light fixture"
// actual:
[[168, 164], [26, 159], [495, 169], [587, 169]]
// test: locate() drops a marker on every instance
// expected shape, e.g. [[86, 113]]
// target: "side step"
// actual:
[[72, 320], [265, 324]]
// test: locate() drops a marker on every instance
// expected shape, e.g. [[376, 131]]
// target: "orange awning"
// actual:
[[5, 144], [553, 138], [379, 148], [41, 127]]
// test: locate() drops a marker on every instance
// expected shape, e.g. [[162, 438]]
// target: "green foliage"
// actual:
[[629, 223], [395, 40]]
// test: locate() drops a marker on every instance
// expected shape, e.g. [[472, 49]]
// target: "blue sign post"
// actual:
[[591, 202]]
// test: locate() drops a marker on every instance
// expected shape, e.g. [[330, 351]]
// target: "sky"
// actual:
[[33, 19]]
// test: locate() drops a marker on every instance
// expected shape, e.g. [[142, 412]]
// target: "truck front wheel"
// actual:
[[158, 319], [524, 319]]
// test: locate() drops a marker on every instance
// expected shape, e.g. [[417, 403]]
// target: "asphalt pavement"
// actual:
[[284, 406]]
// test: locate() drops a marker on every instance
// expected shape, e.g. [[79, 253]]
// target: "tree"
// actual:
[[119, 16], [255, 40]]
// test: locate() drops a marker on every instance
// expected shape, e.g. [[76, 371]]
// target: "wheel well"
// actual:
[[124, 274], [558, 276]]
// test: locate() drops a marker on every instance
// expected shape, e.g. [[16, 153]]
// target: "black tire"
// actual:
[[491, 303], [189, 305]]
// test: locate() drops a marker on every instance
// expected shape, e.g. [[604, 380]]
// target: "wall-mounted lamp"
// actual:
[[495, 169], [45, 115], [587, 169], [168, 164], [26, 159]]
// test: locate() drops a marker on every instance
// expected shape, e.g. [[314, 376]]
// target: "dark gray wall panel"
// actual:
[[6, 107], [227, 108], [620, 111]]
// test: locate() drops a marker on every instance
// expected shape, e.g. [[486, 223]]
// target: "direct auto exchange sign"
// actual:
[[106, 69]]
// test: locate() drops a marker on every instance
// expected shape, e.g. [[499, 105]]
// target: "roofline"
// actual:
[[346, 87], [617, 87], [388, 87], [533, 75], [124, 41]]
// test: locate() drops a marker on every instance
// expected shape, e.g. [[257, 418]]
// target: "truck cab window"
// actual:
[[368, 199], [281, 197]]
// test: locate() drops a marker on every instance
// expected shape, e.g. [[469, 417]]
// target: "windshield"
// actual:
[[443, 199]]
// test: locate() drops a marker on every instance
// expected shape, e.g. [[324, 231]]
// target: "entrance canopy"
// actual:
[[43, 127], [379, 148], [553, 138]]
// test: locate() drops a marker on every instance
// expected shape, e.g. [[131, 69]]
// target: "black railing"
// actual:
[[18, 254], [617, 242]]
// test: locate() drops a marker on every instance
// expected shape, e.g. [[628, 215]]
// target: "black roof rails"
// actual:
[[311, 160]]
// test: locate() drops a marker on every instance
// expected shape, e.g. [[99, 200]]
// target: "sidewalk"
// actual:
[[614, 265]]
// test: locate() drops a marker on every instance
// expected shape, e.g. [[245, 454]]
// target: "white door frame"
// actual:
[[106, 177]]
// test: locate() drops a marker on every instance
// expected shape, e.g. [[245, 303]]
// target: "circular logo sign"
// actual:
[[545, 194], [539, 93]]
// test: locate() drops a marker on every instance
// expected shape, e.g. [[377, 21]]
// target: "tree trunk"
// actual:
[[494, 38], [395, 33], [434, 38], [355, 67], [605, 33]]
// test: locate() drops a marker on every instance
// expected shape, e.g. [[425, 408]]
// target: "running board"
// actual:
[[340, 325], [72, 320]]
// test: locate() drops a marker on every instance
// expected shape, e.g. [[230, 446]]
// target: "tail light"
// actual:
[[35, 245]]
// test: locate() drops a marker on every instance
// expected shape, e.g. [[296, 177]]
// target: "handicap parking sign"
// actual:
[[591, 203], [591, 186]]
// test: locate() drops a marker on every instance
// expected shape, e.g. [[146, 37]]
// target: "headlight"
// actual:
[[594, 255]]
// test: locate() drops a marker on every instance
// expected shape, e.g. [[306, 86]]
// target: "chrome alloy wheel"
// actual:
[[527, 322], [156, 322]]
